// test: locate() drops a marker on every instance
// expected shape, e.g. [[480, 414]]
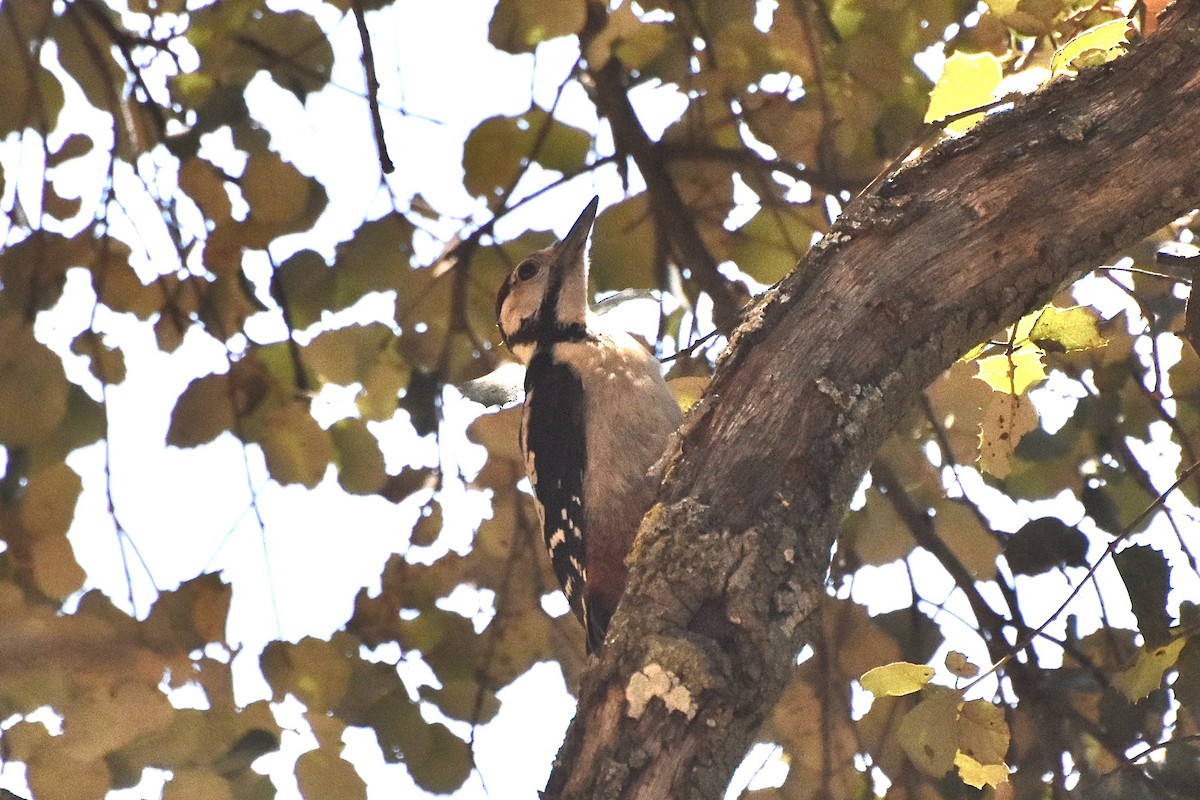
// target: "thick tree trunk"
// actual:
[[729, 567]]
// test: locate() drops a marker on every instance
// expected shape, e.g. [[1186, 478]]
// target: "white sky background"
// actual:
[[189, 510]]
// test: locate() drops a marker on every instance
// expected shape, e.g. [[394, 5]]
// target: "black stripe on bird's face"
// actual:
[[558, 316]]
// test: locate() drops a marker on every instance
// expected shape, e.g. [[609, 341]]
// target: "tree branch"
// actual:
[[672, 216], [728, 569]]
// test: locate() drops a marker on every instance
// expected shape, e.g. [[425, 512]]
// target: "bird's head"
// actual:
[[544, 298]]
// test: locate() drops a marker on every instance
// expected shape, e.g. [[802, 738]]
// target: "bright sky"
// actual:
[[190, 511]]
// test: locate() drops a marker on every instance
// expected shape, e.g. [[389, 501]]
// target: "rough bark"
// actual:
[[729, 566]]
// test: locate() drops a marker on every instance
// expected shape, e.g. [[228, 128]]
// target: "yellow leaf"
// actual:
[[968, 81], [927, 732], [896, 679], [1094, 46], [518, 26], [958, 664], [1067, 329], [1006, 419], [982, 732], [687, 390], [1013, 374], [1147, 672], [979, 775]]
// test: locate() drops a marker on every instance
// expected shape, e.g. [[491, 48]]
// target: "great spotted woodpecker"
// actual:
[[597, 417]]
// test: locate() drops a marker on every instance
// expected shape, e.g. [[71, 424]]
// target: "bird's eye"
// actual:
[[527, 270]]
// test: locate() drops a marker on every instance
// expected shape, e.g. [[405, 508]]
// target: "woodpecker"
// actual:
[[596, 418]]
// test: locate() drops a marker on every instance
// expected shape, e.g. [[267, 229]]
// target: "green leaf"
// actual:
[[305, 287], [358, 457], [345, 356], [498, 150], [771, 242], [626, 261], [896, 679], [1062, 330], [968, 81], [1147, 578], [1043, 544], [375, 260], [519, 26], [291, 45], [315, 671], [297, 449]]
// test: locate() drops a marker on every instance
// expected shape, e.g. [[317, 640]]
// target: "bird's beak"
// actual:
[[574, 242]]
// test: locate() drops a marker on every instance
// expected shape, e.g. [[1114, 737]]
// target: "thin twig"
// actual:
[[368, 60], [1112, 546]]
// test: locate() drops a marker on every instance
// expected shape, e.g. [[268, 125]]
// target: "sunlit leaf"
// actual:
[[896, 679], [1067, 329], [1094, 46], [960, 666], [1006, 419], [969, 80], [979, 775], [982, 732], [1147, 672], [1013, 374], [927, 732]]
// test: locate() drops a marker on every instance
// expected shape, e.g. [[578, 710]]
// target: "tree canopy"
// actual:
[[1010, 609]]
